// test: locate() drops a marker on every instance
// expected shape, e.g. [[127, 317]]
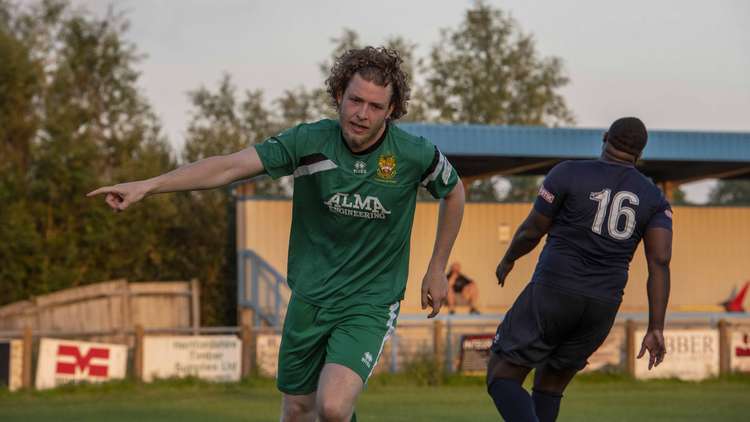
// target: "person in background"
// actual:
[[464, 287]]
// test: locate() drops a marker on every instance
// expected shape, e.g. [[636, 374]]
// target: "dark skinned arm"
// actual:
[[528, 235], [658, 248]]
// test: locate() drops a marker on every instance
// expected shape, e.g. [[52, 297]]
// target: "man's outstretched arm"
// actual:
[[435, 284], [528, 235], [208, 173], [657, 245]]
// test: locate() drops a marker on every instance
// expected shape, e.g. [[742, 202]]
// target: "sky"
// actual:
[[677, 64]]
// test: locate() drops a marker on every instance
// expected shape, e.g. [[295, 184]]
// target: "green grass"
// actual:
[[388, 398]]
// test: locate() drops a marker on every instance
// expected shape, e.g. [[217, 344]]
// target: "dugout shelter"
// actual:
[[711, 251], [671, 158]]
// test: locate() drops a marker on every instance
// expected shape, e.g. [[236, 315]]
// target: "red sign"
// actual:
[[743, 351], [81, 361], [475, 352]]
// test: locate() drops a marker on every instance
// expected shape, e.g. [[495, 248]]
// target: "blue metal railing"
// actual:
[[261, 288]]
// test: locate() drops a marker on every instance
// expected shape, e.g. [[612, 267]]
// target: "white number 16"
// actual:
[[616, 210]]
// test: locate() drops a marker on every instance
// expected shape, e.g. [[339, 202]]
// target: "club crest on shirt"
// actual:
[[386, 167]]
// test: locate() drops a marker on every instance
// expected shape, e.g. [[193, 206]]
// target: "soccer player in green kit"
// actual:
[[355, 186]]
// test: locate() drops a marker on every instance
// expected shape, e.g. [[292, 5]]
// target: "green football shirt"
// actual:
[[353, 212]]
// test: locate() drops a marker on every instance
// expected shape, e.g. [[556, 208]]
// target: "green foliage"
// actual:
[[71, 119], [678, 197], [220, 125], [730, 192], [424, 370], [488, 71], [300, 104], [522, 188]]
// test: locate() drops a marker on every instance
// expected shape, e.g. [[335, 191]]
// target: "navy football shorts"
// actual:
[[549, 326]]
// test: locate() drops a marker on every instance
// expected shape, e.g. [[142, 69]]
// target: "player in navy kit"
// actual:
[[594, 213]]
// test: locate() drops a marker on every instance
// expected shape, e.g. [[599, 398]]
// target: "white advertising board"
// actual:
[[739, 358], [213, 358], [610, 354], [16, 365], [692, 354], [267, 352], [65, 361]]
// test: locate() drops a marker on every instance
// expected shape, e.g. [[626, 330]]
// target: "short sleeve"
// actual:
[[439, 176], [552, 191], [662, 218], [279, 153]]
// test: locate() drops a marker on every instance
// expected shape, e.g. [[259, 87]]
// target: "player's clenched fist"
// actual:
[[122, 195]]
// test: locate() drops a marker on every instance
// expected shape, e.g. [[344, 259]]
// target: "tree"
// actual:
[[221, 125], [679, 197], [301, 105], [21, 77], [522, 188], [730, 192], [72, 119], [488, 71]]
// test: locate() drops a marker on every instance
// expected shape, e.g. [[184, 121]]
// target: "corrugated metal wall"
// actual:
[[711, 251]]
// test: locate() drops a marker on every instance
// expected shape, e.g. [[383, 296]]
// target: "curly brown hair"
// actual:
[[379, 65]]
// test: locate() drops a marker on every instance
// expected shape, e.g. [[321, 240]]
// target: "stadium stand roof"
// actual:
[[671, 156]]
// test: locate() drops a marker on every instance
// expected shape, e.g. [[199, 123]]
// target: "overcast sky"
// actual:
[[678, 64]]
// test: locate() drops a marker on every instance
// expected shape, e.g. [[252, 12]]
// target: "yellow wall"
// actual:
[[711, 251]]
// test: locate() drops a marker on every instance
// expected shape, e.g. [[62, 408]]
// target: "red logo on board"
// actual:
[[743, 351], [81, 361]]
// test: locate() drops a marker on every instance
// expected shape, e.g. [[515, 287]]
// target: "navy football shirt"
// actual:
[[600, 212]]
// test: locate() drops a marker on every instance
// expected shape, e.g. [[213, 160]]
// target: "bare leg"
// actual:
[[499, 368], [470, 293], [553, 380], [338, 389], [298, 408], [451, 299]]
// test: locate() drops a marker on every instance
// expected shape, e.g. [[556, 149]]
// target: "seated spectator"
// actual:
[[466, 288]]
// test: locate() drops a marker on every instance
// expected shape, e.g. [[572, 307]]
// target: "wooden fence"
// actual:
[[111, 308], [435, 339]]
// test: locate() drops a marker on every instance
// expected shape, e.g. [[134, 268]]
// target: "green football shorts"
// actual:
[[352, 336]]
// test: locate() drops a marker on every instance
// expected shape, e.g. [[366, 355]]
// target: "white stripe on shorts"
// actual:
[[393, 310]]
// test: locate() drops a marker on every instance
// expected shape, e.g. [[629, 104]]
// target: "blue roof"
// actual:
[[564, 143]]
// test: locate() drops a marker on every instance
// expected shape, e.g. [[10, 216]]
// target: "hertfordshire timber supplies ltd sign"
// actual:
[[213, 358]]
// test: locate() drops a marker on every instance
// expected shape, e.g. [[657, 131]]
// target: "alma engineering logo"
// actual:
[[353, 205]]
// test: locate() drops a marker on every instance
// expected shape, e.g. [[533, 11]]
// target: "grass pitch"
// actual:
[[388, 398]]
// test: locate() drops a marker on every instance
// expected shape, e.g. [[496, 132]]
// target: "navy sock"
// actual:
[[546, 404], [512, 401]]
